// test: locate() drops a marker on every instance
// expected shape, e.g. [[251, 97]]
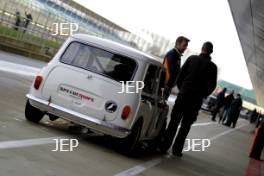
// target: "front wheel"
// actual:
[[33, 114]]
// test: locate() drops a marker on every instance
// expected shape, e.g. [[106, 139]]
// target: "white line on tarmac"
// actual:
[[149, 164], [20, 120], [27, 142], [204, 123], [18, 68]]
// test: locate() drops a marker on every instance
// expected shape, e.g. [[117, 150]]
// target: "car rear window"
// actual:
[[117, 67]]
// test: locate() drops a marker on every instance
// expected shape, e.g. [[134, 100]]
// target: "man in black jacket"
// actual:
[[234, 111], [172, 63], [196, 80], [219, 104], [227, 102]]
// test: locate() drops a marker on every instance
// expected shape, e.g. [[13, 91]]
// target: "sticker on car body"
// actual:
[[75, 94]]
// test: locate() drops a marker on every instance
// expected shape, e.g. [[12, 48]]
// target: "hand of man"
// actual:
[[167, 92]]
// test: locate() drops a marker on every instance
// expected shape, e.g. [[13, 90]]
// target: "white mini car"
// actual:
[[82, 84]]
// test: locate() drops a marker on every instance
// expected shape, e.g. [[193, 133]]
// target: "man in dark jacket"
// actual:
[[227, 102], [219, 104], [172, 63], [17, 24], [254, 116], [28, 19], [234, 111], [197, 79]]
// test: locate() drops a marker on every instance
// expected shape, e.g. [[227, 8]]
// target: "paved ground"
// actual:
[[26, 148]]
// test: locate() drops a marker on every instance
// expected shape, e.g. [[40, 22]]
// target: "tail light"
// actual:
[[38, 80], [125, 112]]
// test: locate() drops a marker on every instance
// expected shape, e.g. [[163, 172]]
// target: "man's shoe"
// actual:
[[178, 154], [226, 124], [162, 149], [163, 146]]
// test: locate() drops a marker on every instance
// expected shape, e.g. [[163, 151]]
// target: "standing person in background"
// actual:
[[28, 19], [196, 80], [234, 111], [17, 23], [227, 102], [172, 64], [253, 116], [259, 119], [219, 103]]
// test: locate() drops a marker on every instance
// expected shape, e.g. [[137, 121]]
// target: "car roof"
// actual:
[[123, 49]]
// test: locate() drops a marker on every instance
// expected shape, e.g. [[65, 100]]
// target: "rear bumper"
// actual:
[[90, 122]]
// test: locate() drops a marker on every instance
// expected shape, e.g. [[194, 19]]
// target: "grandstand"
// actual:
[[47, 12]]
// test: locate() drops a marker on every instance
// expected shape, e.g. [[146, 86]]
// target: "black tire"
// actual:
[[53, 117], [156, 142], [33, 114], [162, 131], [129, 144], [164, 125]]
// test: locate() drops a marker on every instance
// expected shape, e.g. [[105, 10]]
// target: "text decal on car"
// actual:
[[76, 94]]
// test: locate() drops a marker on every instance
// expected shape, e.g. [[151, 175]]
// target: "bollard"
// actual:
[[258, 143]]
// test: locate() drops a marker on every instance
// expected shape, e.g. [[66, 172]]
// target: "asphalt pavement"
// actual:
[[26, 148]]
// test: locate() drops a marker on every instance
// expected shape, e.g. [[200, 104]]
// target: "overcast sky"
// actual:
[[203, 20]]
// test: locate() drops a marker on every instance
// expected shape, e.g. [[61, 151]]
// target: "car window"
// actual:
[[117, 67], [150, 80]]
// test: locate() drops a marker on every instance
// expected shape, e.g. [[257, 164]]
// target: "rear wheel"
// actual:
[[53, 117], [33, 114], [156, 142], [162, 131], [131, 142]]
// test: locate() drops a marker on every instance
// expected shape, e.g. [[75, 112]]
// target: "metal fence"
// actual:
[[45, 13]]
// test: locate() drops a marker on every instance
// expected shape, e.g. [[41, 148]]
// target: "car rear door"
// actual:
[[149, 98]]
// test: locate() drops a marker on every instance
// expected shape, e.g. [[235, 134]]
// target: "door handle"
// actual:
[[89, 77]]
